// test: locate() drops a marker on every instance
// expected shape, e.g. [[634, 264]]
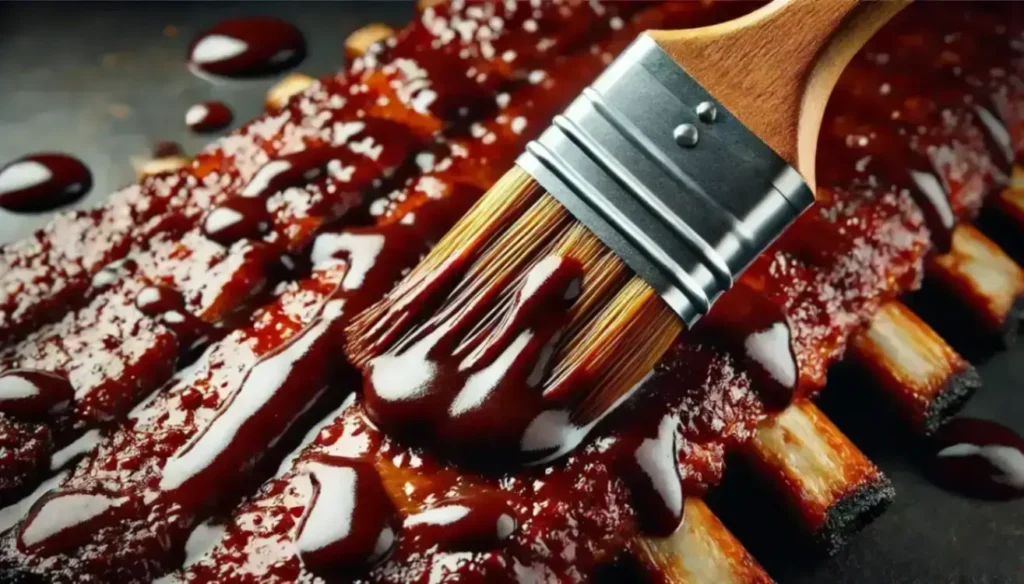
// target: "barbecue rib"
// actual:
[[193, 450]]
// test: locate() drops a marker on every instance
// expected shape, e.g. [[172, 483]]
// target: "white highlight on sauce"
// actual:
[[221, 218], [1006, 458], [23, 175], [196, 114], [770, 348], [217, 47]]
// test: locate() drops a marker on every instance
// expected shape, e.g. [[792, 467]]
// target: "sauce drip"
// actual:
[[655, 482], [63, 521], [32, 394], [470, 377], [978, 458], [208, 117], [248, 47], [349, 520], [746, 323], [997, 136], [238, 218], [474, 522], [43, 182], [883, 153]]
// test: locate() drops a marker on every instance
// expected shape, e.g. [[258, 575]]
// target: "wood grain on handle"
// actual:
[[775, 67]]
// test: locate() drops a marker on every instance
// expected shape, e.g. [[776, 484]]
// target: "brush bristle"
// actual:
[[607, 327]]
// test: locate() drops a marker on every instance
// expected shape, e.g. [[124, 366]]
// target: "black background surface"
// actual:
[[105, 81]]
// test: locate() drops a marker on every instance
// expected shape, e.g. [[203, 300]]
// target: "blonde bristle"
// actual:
[[614, 331], [617, 348], [499, 207], [491, 216]]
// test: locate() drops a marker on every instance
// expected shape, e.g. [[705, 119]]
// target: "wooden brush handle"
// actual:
[[775, 67]]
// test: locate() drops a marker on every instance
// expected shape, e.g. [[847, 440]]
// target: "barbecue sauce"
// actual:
[[43, 182], [978, 458], [33, 394], [350, 520], [474, 384], [168, 306], [248, 47], [657, 464], [208, 117], [473, 522]]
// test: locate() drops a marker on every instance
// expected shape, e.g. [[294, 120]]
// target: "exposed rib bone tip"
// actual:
[[283, 90]]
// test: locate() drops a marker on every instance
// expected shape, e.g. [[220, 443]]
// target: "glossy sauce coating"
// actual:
[[373, 151], [31, 394], [580, 508], [210, 277], [877, 239]]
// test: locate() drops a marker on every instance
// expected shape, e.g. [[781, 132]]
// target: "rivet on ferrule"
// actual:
[[706, 112], [686, 135]]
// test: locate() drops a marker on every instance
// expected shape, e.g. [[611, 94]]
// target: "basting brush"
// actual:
[[560, 290]]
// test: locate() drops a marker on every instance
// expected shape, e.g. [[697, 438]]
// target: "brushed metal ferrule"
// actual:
[[667, 178]]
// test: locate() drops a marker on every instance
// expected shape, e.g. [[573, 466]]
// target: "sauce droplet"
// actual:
[[655, 483], [27, 393], [43, 182], [478, 522], [114, 272], [156, 300], [168, 307], [248, 47], [238, 218], [208, 117], [348, 520], [978, 458], [748, 324], [167, 148]]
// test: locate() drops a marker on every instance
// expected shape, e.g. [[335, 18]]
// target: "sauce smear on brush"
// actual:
[[471, 380]]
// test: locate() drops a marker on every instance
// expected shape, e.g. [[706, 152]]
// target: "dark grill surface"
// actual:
[[105, 82]]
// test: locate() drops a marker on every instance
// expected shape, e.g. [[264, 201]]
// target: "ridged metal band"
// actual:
[[667, 178]]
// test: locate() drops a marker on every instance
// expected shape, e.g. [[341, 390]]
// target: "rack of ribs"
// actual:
[[198, 338]]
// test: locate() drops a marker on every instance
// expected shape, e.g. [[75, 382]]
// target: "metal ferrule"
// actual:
[[667, 178]]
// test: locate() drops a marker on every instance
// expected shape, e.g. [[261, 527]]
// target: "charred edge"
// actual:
[[950, 399], [852, 513]]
